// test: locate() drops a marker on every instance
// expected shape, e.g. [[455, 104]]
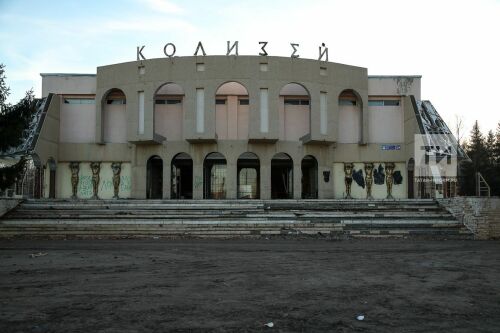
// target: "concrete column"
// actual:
[[265, 181], [166, 179], [198, 181], [297, 180], [231, 183]]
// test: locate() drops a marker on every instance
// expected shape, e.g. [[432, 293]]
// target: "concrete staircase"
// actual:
[[231, 218]]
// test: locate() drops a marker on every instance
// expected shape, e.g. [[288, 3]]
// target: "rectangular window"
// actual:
[[168, 101], [116, 101], [200, 110], [391, 102], [296, 101], [323, 113], [79, 101], [220, 101], [264, 111], [348, 102], [244, 101], [141, 111], [387, 102]]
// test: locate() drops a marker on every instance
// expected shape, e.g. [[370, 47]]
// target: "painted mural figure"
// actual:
[[75, 168], [117, 168], [95, 167], [369, 179], [389, 178], [348, 168]]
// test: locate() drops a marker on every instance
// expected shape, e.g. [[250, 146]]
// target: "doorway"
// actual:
[[182, 177], [281, 177], [154, 178]]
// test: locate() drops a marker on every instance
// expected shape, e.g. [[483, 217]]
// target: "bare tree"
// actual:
[[459, 127]]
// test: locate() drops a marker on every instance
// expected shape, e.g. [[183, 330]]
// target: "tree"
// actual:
[[477, 152], [4, 90], [14, 121]]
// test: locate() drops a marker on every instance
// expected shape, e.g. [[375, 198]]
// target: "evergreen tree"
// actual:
[[476, 149]]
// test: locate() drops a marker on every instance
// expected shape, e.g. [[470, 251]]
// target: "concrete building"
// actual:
[[230, 127]]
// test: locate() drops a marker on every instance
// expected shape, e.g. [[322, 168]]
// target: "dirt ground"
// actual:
[[240, 285]]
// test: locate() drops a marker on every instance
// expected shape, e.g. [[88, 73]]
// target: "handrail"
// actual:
[[482, 186]]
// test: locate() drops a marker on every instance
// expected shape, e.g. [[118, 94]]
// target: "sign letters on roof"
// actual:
[[232, 49]]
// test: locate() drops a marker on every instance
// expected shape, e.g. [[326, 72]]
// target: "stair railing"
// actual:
[[482, 187]]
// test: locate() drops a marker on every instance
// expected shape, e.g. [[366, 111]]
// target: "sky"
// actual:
[[454, 45]]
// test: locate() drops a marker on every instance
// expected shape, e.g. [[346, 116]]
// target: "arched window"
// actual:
[[309, 168], [115, 117], [350, 117], [168, 111], [154, 178], [294, 112], [248, 166], [281, 177], [182, 177], [231, 111], [214, 176]]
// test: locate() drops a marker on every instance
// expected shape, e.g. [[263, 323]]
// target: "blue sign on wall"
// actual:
[[390, 147]]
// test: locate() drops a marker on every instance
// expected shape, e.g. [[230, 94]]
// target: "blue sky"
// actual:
[[453, 44]]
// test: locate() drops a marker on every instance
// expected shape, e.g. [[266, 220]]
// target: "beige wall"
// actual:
[[168, 121], [385, 124], [394, 85], [115, 123], [69, 84], [349, 124], [78, 123]]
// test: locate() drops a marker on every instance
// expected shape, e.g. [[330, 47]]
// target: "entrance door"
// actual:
[[154, 179], [214, 178], [281, 177], [309, 177], [182, 177]]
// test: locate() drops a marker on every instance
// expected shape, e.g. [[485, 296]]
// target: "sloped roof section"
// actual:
[[431, 123], [30, 135]]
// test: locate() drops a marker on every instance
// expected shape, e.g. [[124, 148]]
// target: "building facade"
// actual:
[[229, 127]]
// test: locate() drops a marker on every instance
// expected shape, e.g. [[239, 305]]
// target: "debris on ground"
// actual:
[[360, 317], [270, 324]]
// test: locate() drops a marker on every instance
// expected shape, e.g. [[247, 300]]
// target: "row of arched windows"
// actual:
[[215, 183], [232, 113]]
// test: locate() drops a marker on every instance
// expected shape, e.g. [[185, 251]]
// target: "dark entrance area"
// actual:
[[309, 167], [281, 177], [248, 176], [411, 168], [52, 178], [214, 176], [182, 177], [154, 178]]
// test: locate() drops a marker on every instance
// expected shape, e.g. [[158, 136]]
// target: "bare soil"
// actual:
[[240, 285]]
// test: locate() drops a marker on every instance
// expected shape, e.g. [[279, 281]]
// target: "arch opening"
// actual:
[[294, 112], [232, 111], [214, 176], [281, 176], [309, 168], [248, 171], [154, 178], [350, 117], [168, 111], [115, 117], [181, 177]]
